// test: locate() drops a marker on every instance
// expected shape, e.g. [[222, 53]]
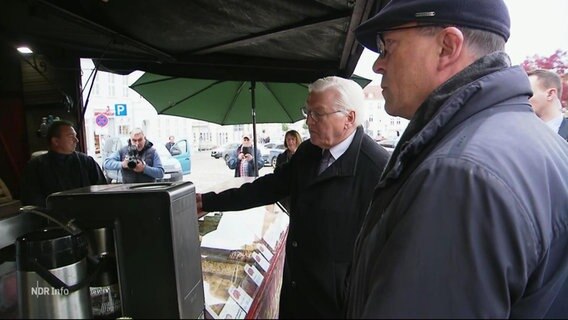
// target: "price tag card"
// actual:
[[254, 274], [262, 262], [242, 298], [271, 237], [265, 251], [232, 310]]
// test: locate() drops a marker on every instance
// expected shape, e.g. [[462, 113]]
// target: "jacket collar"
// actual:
[[346, 165], [472, 90]]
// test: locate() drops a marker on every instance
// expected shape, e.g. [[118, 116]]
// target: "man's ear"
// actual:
[[450, 42], [351, 118], [551, 93]]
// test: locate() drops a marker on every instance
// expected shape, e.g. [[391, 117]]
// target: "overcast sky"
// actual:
[[537, 27]]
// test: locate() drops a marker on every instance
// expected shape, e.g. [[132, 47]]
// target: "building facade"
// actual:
[[113, 109]]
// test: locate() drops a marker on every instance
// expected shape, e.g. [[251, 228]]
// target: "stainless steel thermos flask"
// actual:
[[52, 275]]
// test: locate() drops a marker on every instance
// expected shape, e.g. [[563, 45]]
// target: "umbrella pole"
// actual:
[[252, 95]]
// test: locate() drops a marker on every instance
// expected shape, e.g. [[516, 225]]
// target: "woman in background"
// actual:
[[242, 159], [292, 140]]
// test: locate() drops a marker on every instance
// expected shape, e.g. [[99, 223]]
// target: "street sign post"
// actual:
[[101, 120]]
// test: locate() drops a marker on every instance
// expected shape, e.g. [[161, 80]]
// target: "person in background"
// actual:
[[138, 161], [61, 168], [265, 138], [547, 91], [242, 159], [171, 142], [469, 218], [292, 140], [330, 182]]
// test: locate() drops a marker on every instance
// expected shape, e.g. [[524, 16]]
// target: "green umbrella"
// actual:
[[226, 102]]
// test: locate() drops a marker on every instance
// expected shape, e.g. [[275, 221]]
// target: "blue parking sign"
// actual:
[[120, 109]]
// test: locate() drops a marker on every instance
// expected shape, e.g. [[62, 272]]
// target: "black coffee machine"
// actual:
[[154, 231]]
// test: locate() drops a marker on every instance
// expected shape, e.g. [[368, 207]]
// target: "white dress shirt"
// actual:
[[339, 149], [554, 124]]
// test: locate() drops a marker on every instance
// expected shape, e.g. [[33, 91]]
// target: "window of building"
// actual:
[[125, 86], [111, 91], [97, 87]]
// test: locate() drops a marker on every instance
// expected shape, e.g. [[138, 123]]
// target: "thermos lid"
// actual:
[[52, 248]]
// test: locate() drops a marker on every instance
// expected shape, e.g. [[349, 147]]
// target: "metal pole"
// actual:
[[252, 87]]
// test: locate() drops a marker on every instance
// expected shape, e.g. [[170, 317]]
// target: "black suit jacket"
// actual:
[[52, 172], [563, 130], [326, 213]]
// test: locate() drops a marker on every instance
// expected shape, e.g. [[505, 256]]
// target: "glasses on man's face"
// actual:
[[317, 116], [381, 47]]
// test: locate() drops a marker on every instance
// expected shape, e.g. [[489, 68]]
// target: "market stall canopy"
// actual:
[[265, 40]]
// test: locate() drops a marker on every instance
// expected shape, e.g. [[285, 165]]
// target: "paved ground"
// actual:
[[207, 171]]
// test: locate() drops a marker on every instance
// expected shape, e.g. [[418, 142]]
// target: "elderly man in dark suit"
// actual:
[[330, 181]]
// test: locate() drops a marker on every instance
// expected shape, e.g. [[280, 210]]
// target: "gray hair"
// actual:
[[481, 42], [351, 96], [136, 131]]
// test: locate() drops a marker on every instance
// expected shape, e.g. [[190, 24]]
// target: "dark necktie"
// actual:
[[325, 160]]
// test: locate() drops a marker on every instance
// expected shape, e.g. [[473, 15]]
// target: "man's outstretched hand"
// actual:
[[199, 203]]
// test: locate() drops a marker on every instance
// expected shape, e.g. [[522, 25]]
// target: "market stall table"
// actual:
[[242, 259]]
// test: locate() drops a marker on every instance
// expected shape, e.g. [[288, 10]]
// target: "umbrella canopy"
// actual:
[[225, 102]]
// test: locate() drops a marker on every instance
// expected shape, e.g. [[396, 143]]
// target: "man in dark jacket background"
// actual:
[[61, 168], [470, 217], [327, 208], [547, 92]]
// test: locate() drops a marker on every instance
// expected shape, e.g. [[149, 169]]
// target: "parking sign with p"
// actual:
[[120, 109]]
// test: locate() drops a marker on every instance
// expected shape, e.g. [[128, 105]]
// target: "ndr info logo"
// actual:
[[48, 291]]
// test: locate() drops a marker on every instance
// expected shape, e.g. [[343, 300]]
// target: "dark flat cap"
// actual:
[[488, 15]]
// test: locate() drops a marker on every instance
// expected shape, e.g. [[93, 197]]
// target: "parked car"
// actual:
[[274, 152], [389, 144], [224, 151], [182, 152], [205, 146], [174, 167], [265, 152], [271, 145]]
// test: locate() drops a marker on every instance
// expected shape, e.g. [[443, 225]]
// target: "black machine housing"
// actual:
[[156, 242]]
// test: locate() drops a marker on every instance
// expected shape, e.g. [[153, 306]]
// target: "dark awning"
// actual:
[[265, 40]]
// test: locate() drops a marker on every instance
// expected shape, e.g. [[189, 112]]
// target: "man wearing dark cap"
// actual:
[[470, 216]]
